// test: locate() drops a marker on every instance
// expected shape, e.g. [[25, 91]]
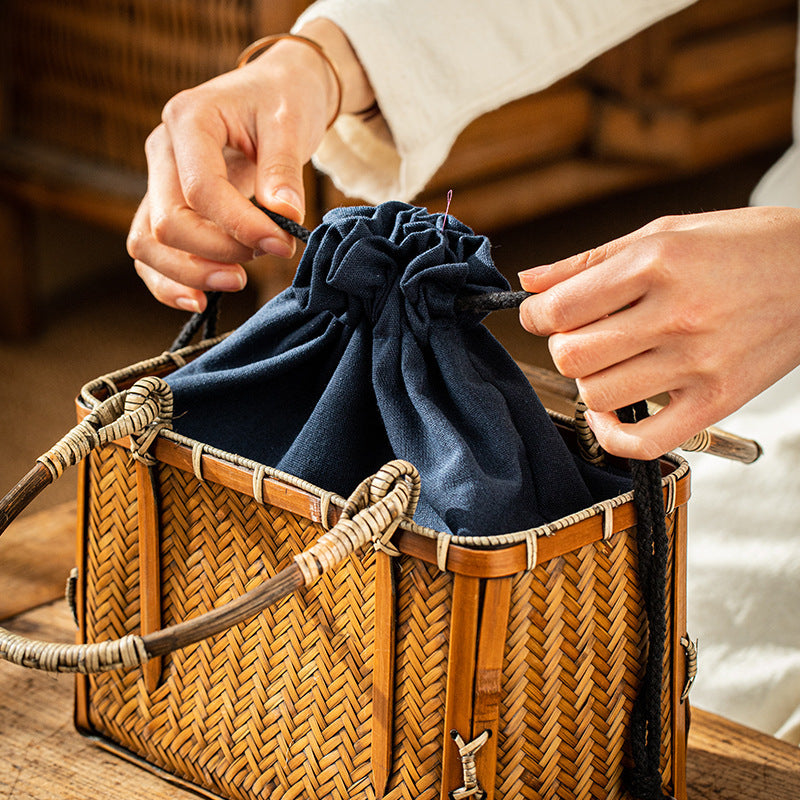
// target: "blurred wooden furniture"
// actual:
[[44, 757], [706, 86], [84, 82]]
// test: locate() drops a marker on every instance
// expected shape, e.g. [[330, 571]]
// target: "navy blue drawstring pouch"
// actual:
[[368, 357]]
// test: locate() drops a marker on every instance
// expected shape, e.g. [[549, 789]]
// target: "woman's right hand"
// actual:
[[704, 308], [245, 133]]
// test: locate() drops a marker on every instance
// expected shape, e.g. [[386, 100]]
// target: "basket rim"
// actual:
[[677, 468]]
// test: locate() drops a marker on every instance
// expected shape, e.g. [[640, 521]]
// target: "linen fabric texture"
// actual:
[[366, 358]]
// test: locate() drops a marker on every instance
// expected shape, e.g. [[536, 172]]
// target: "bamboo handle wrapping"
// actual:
[[372, 512], [376, 506], [146, 405], [713, 441]]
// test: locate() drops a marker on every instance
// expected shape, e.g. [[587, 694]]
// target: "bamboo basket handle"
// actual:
[[146, 406], [372, 513]]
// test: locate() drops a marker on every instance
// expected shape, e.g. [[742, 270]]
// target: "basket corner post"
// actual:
[[474, 685]]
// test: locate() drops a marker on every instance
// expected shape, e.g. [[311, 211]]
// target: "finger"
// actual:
[[203, 177], [539, 279], [191, 271], [600, 345], [279, 173], [647, 439], [171, 220], [193, 274], [645, 375], [586, 296], [169, 292]]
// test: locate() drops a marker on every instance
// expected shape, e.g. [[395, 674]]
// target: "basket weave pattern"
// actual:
[[281, 706], [571, 659]]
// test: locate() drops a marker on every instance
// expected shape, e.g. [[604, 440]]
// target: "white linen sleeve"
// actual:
[[436, 65]]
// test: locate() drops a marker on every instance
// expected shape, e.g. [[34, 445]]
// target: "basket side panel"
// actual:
[[572, 667], [112, 547], [278, 706]]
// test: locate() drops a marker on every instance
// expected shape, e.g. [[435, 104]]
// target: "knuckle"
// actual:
[[529, 316], [657, 251], [712, 395], [238, 230], [567, 355], [553, 310], [637, 447], [596, 395], [594, 256], [687, 321], [154, 140], [161, 227], [141, 269], [682, 320], [647, 449], [659, 265], [709, 365], [193, 188], [668, 222], [282, 166], [179, 106], [134, 244]]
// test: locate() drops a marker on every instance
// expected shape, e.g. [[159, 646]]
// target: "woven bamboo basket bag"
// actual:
[[249, 635]]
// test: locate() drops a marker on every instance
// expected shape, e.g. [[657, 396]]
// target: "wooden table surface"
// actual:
[[42, 757]]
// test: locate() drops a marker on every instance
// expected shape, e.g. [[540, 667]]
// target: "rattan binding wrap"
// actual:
[[282, 706]]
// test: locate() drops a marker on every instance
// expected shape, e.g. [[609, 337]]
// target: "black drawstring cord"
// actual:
[[644, 778], [207, 319], [491, 301], [290, 226]]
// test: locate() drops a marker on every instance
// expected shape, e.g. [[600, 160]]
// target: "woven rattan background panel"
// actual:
[[571, 668], [92, 75]]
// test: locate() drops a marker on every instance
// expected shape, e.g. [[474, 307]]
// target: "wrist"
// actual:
[[357, 93]]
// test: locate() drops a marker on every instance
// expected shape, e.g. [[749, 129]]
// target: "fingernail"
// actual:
[[528, 275], [274, 247], [291, 198], [188, 304], [225, 281]]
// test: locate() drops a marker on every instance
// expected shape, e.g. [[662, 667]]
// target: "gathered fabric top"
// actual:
[[368, 356]]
